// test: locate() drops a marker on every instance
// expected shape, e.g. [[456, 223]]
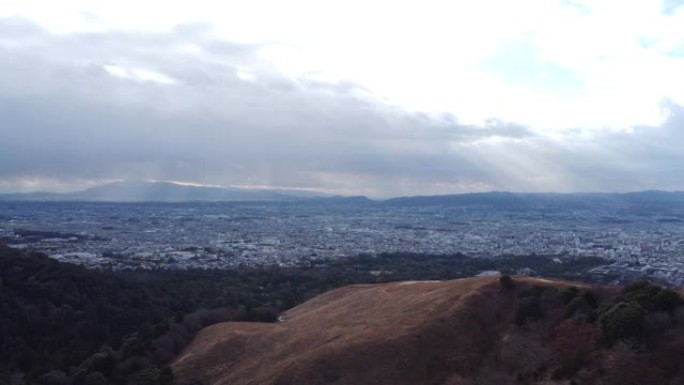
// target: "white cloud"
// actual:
[[138, 74], [428, 56]]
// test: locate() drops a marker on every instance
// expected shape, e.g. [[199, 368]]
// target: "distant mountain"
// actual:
[[174, 192], [556, 201], [34, 196], [165, 192]]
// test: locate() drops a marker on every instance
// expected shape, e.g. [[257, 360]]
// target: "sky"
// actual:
[[377, 98]]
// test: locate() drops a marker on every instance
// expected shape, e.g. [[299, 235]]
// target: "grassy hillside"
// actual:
[[468, 331]]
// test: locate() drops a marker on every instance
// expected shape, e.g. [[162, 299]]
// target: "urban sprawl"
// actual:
[[224, 235]]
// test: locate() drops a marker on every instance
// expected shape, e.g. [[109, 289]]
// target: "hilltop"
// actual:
[[482, 330]]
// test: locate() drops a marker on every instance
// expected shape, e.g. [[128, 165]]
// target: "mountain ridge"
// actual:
[[165, 192], [160, 191]]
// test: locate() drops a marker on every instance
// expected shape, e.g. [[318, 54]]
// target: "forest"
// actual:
[[63, 324]]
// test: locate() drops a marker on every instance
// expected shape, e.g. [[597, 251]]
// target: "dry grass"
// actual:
[[391, 333], [412, 333]]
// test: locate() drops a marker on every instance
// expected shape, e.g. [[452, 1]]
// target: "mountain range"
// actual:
[[174, 192], [164, 192]]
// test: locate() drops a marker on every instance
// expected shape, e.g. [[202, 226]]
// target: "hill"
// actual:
[[642, 201], [661, 202], [483, 330], [61, 323], [164, 192]]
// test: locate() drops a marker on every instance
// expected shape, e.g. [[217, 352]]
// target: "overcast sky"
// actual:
[[381, 98]]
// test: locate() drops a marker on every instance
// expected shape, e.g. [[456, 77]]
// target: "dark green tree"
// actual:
[[623, 320], [165, 376]]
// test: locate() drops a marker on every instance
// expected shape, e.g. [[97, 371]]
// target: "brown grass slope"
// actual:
[[425, 332]]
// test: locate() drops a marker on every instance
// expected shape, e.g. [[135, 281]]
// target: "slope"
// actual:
[[466, 331]]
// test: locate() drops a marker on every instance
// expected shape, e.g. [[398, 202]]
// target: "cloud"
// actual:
[[181, 101], [645, 157], [101, 115]]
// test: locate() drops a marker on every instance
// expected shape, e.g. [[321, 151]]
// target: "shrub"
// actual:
[[507, 282], [636, 286], [624, 320], [529, 308], [570, 366], [55, 377], [533, 291], [652, 297], [103, 361], [95, 378], [590, 298], [666, 300], [566, 294], [657, 322], [165, 376], [579, 308]]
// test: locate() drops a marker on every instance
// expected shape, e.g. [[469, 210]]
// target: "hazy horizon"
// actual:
[[380, 99], [310, 192]]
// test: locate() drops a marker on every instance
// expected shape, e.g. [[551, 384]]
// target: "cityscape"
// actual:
[[122, 236]]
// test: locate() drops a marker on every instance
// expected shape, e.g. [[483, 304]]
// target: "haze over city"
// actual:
[[380, 99]]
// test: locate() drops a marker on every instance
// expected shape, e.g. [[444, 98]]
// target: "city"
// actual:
[[123, 236]]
